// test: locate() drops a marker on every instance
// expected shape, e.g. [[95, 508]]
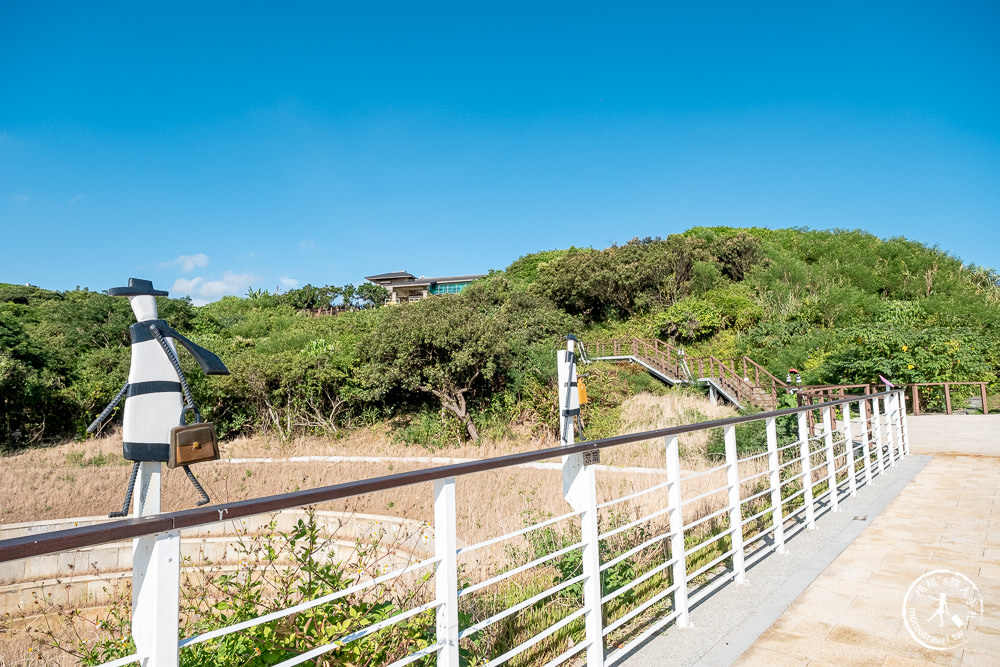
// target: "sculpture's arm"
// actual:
[[107, 411], [209, 361]]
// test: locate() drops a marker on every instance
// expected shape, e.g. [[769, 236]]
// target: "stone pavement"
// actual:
[[947, 518]]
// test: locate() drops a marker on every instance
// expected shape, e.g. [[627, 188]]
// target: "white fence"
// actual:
[[613, 576]]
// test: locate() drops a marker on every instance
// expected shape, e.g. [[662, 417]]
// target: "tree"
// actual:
[[454, 347], [617, 282], [370, 295]]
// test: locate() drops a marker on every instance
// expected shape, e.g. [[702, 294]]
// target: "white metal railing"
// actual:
[[764, 498]]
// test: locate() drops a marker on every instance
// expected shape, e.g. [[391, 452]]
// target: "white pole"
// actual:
[[852, 481], [735, 515], [446, 573], [887, 426], [580, 491], [906, 431], [831, 468], [679, 568], [155, 579], [777, 520], [865, 441], [807, 478], [569, 407], [899, 409], [890, 437], [877, 427]]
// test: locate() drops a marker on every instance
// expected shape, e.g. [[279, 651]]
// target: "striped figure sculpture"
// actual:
[[156, 394]]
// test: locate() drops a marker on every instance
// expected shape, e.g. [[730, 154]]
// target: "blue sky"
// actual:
[[214, 146]]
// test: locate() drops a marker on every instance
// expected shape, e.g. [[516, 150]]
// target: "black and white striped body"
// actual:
[[154, 402]]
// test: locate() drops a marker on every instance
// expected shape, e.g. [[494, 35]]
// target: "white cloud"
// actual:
[[203, 291], [307, 245], [20, 198], [289, 283], [183, 286], [186, 262], [79, 198]]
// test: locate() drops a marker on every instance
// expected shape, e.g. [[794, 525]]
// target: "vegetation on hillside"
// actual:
[[840, 306]]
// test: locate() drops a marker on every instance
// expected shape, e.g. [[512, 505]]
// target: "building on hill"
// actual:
[[404, 287]]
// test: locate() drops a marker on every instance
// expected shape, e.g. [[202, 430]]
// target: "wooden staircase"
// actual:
[[755, 386]]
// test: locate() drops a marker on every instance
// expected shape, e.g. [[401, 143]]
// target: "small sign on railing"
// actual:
[[593, 457]]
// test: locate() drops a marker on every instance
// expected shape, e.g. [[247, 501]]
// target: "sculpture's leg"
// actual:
[[128, 493], [194, 480]]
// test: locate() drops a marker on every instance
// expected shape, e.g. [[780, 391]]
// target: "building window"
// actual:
[[449, 288]]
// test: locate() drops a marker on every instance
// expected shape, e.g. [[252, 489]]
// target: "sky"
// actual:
[[215, 147]]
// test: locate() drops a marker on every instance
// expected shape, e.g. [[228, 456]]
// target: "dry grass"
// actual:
[[646, 412], [88, 478]]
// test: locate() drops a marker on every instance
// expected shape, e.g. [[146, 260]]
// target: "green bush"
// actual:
[[277, 570]]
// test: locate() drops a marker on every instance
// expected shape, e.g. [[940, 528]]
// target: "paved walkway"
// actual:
[[836, 597], [947, 518]]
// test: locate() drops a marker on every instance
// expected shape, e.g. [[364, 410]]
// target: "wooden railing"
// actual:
[[755, 385], [732, 382], [913, 394], [661, 356], [667, 359], [811, 394], [761, 377]]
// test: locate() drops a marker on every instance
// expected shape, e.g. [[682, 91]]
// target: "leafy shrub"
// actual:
[[277, 571], [697, 317]]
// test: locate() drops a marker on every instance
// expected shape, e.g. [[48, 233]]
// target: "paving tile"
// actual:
[[900, 661], [975, 659], [824, 596], [808, 648], [846, 661], [911, 650], [801, 624], [761, 657]]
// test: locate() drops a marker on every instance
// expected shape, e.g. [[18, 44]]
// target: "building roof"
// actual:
[[446, 279], [422, 280], [390, 276]]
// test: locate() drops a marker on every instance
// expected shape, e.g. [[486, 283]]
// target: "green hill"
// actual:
[[840, 306]]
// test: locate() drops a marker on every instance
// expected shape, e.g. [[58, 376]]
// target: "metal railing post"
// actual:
[[735, 513], [589, 534], [777, 519], [877, 428], [446, 572], [807, 480], [852, 481], [906, 430], [831, 467], [890, 437], [899, 409], [155, 580], [679, 568], [865, 448]]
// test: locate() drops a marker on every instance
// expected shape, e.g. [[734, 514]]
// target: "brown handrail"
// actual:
[[758, 369], [114, 531], [652, 351], [913, 386], [742, 388]]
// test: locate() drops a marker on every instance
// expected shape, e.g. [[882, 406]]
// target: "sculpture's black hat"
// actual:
[[137, 287]]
